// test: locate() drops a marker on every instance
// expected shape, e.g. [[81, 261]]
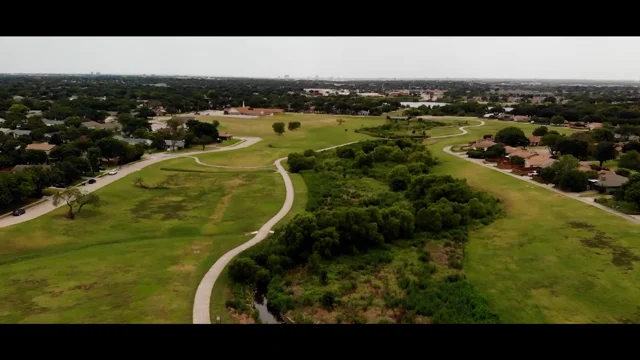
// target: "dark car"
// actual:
[[92, 181], [60, 185], [83, 184], [18, 212]]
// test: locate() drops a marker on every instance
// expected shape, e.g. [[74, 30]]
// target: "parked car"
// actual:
[[92, 181], [60, 185], [533, 173], [18, 212], [113, 172]]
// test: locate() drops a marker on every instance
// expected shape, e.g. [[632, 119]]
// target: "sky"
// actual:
[[597, 58]]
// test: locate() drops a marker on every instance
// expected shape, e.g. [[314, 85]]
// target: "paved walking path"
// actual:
[[202, 300], [125, 170]]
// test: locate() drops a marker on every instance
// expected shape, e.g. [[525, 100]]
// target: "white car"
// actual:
[[113, 172]]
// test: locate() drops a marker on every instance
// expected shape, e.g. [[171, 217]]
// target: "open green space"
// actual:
[[551, 259], [139, 257]]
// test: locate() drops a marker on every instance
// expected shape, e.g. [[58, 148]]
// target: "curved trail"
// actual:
[[461, 128], [47, 206], [231, 167], [202, 300]]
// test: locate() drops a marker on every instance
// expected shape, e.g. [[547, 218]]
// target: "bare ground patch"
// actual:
[[222, 206], [621, 256]]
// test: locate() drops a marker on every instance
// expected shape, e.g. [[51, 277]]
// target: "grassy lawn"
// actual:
[[144, 263], [552, 259]]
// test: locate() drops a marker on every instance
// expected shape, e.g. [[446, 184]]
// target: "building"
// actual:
[[593, 126], [108, 126], [133, 141], [42, 146], [245, 110], [538, 161], [90, 124], [169, 145], [31, 113], [535, 140], [16, 133], [225, 136], [19, 168], [482, 144], [52, 122], [607, 181]]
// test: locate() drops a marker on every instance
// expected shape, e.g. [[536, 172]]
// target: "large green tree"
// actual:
[[512, 136], [278, 127], [604, 151], [75, 199]]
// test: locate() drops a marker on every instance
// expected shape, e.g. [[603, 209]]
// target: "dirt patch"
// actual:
[[439, 253], [222, 206], [241, 318], [323, 316], [429, 142], [183, 268], [84, 287], [621, 256]]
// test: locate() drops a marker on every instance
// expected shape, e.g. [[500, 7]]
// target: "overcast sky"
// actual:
[[603, 58]]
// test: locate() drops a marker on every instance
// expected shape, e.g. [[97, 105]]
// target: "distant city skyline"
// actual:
[[544, 58]]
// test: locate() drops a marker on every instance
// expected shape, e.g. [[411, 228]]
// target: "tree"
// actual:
[[574, 180], [158, 142], [205, 140], [93, 155], [517, 160], [278, 127], [176, 130], [540, 131], [342, 121], [604, 151], [548, 174], [557, 120], [399, 178], [110, 148], [34, 156], [551, 140], [572, 146], [512, 136], [293, 125], [74, 121], [18, 109], [602, 135], [631, 145], [75, 199], [630, 160]]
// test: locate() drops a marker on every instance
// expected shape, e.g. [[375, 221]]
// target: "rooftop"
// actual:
[[41, 146]]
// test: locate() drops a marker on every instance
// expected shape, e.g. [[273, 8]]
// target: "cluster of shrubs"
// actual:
[[336, 224]]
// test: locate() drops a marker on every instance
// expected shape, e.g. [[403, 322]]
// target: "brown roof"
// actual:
[[594, 125], [483, 144], [112, 125], [510, 149], [521, 117], [42, 146], [539, 160], [90, 124], [535, 139], [610, 179], [523, 154], [226, 134]]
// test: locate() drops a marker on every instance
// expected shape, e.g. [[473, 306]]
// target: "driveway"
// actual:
[[125, 170], [575, 196]]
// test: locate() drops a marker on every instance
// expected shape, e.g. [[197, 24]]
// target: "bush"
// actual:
[[517, 160], [574, 181], [621, 172], [475, 154], [328, 299]]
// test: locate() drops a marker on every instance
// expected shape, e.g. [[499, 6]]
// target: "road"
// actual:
[[461, 128], [47, 206], [202, 300]]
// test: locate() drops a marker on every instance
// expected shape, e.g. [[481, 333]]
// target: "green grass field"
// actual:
[[552, 259]]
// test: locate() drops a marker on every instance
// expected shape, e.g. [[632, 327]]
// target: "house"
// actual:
[[42, 146], [482, 144], [521, 118], [133, 141], [510, 149], [90, 124], [525, 154], [225, 136], [179, 144], [584, 166], [113, 113], [5, 131], [18, 98], [52, 122], [608, 181], [245, 110], [505, 117], [538, 161], [363, 112], [593, 126], [109, 126], [31, 113], [17, 133], [535, 140]]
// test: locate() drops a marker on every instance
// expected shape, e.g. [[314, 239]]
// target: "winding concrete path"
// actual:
[[202, 300], [462, 129], [47, 206]]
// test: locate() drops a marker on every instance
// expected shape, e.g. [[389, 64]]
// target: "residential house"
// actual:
[[169, 145], [593, 126], [525, 154], [608, 181], [363, 112], [245, 110], [5, 131], [42, 146], [52, 122], [16, 133], [522, 118], [225, 136], [113, 113], [133, 141], [482, 144], [535, 140], [538, 161], [505, 117], [90, 124], [510, 149], [109, 126], [2, 121], [31, 113], [18, 98]]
